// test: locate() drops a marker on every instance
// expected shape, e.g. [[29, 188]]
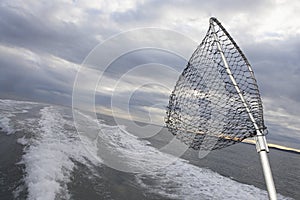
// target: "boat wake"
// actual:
[[52, 149]]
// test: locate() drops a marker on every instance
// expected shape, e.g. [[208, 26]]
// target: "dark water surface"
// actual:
[[41, 157]]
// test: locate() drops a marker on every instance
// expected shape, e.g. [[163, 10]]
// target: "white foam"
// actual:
[[50, 154], [14, 106], [5, 125], [138, 154], [135, 154], [9, 109], [179, 180], [48, 159], [22, 141], [182, 180]]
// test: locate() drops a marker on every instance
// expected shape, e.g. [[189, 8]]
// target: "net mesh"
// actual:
[[205, 110]]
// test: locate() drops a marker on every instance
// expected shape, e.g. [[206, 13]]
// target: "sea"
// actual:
[[43, 157]]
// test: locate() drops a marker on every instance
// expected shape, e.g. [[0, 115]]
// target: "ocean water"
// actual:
[[43, 157]]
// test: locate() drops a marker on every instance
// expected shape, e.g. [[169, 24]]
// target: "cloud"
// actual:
[[276, 64], [45, 27], [282, 119], [25, 74], [43, 43]]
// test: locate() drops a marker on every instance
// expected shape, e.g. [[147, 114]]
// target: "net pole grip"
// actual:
[[261, 143], [268, 175], [262, 149]]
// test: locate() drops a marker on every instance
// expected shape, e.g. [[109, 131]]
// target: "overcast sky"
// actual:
[[43, 43]]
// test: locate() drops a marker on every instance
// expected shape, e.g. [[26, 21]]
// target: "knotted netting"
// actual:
[[207, 108]]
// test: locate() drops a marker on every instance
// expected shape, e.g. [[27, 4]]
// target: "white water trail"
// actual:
[[49, 157], [179, 180]]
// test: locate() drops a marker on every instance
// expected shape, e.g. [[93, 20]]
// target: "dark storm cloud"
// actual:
[[42, 33], [152, 56], [276, 64], [37, 31], [30, 76], [41, 44]]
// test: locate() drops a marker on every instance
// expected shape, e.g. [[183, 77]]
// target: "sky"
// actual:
[[44, 43]]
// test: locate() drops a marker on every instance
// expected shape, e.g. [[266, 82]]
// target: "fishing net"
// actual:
[[205, 109]]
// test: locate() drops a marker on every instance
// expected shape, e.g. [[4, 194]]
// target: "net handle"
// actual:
[[261, 143]]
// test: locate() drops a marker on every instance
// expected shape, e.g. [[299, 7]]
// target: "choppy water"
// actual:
[[42, 157]]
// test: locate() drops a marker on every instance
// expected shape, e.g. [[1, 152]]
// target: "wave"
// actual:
[[180, 179], [5, 124], [49, 159], [51, 153], [9, 109]]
